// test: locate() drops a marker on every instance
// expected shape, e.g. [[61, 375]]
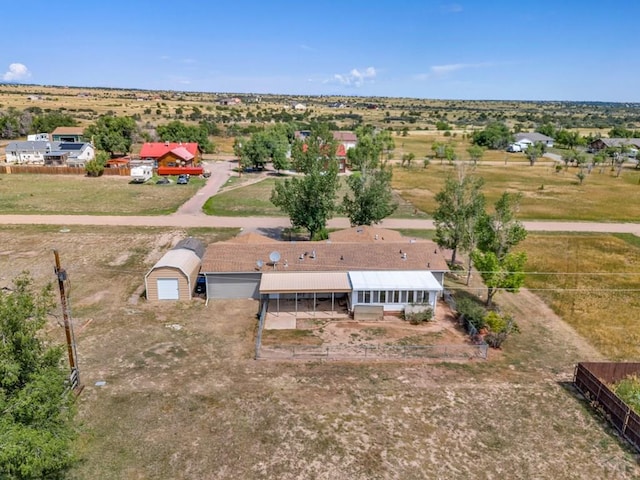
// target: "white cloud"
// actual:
[[355, 78], [16, 72]]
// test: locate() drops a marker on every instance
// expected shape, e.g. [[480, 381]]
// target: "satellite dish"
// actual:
[[259, 264], [274, 257]]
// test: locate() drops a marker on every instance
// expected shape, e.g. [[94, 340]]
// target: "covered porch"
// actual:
[[304, 295]]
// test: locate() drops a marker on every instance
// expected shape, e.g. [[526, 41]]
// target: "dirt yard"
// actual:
[[183, 398]]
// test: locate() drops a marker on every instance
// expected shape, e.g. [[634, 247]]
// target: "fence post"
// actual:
[[327, 352]]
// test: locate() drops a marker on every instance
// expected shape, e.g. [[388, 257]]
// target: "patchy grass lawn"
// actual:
[[183, 398], [547, 195], [593, 283], [80, 195]]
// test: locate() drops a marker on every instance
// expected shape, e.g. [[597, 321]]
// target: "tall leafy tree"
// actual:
[[495, 136], [177, 131], [499, 233], [372, 148], [310, 199], [48, 122], [371, 197], [113, 134], [36, 413], [459, 203]]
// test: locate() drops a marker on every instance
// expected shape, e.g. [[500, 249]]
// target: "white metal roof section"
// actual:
[[394, 280], [291, 282]]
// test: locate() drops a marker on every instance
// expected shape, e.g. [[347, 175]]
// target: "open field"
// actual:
[[593, 283], [547, 195], [80, 195], [184, 400]]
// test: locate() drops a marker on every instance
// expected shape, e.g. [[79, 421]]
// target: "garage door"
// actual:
[[168, 289], [234, 285]]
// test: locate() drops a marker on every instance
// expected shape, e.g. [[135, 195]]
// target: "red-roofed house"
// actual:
[[171, 154]]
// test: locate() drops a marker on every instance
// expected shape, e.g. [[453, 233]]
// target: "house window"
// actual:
[[396, 296], [383, 296], [419, 296], [410, 298], [375, 296], [367, 297], [360, 297], [404, 296]]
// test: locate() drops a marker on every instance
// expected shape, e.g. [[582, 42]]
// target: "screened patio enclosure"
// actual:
[[303, 293]]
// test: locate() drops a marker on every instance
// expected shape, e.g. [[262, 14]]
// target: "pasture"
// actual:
[[183, 398]]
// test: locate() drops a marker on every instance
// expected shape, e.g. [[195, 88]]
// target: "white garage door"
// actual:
[[168, 289]]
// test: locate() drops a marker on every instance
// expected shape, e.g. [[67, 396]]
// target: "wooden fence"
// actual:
[[593, 380], [59, 170]]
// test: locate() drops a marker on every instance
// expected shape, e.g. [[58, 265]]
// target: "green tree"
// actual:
[[36, 412], [49, 121], [310, 200], [407, 158], [371, 149], [371, 198], [534, 152], [177, 131], [569, 138], [499, 233], [547, 129], [620, 132], [476, 153], [495, 136], [113, 134], [460, 203], [95, 167]]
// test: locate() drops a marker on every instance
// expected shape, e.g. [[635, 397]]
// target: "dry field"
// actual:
[[183, 398]]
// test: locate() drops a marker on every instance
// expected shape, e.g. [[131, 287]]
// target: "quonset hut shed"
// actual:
[[174, 276]]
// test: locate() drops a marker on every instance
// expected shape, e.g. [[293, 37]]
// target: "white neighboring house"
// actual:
[[51, 153], [526, 139]]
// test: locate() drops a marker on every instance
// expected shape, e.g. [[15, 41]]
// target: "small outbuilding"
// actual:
[[174, 276]]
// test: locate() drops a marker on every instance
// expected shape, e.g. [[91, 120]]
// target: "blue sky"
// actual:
[[491, 49]]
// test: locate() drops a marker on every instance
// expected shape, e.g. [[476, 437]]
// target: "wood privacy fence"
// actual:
[[593, 378], [59, 170]]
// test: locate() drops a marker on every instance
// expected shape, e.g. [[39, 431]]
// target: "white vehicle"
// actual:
[[514, 147], [141, 174]]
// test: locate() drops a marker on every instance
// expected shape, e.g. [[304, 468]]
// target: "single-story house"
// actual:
[[175, 275], [360, 266], [229, 101], [171, 154], [49, 153], [525, 139], [68, 134], [602, 143]]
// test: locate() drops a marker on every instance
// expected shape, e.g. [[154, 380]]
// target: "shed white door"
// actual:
[[168, 289]]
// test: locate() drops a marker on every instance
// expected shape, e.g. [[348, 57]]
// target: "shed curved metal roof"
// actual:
[[181, 259]]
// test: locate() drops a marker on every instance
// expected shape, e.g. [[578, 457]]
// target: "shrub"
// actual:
[[495, 322], [418, 314], [472, 311], [628, 389]]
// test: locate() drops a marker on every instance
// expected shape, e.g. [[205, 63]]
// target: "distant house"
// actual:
[[68, 134], [602, 143], [49, 153], [38, 137], [526, 139], [299, 106], [348, 139], [171, 154], [229, 101]]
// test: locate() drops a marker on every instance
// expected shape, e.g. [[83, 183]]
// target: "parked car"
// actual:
[[163, 181], [206, 174], [182, 179]]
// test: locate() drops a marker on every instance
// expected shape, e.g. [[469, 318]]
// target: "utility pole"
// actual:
[[74, 376]]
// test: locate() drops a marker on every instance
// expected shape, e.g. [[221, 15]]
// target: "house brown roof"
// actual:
[[408, 254], [68, 131], [343, 136], [252, 238]]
